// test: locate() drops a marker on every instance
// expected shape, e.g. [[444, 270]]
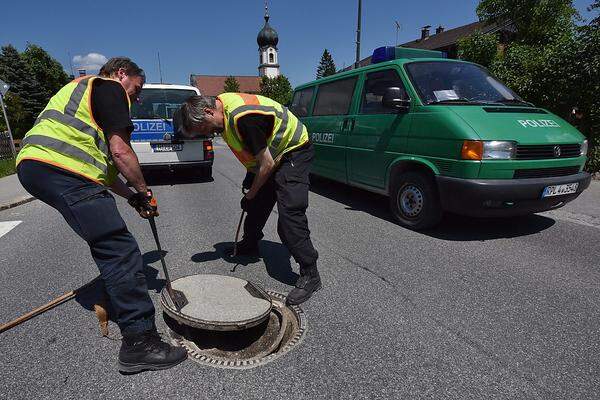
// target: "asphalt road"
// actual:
[[494, 309]]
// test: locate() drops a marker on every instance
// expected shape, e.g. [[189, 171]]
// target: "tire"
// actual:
[[414, 200]]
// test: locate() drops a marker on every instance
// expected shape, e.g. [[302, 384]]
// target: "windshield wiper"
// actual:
[[515, 101]]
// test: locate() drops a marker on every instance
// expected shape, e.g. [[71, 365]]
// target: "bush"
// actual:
[[7, 167]]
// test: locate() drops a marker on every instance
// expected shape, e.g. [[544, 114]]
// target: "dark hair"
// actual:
[[116, 63]]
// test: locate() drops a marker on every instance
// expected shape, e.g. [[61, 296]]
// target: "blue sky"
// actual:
[[219, 38]]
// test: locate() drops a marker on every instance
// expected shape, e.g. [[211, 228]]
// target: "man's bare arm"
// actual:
[[126, 160], [119, 187], [266, 165]]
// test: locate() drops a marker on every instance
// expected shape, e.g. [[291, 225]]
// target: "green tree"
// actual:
[[595, 6], [534, 20], [47, 71], [278, 89], [231, 85], [479, 48], [326, 65], [26, 94]]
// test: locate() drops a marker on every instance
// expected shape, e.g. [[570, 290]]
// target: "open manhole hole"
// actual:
[[248, 344]]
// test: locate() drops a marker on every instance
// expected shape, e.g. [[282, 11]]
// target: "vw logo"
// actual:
[[557, 151], [167, 136]]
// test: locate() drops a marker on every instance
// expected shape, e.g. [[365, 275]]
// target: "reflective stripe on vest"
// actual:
[[64, 148], [65, 134], [236, 105]]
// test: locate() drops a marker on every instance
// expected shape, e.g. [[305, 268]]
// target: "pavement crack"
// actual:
[[459, 335], [227, 177]]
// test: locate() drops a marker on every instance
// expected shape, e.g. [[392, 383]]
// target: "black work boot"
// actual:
[[147, 351], [245, 248], [305, 287]]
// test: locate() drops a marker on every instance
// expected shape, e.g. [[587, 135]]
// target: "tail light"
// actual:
[[208, 150]]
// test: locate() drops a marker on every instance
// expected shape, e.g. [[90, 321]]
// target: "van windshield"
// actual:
[[159, 103], [439, 82]]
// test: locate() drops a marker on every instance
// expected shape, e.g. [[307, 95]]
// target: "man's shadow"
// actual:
[[96, 294], [275, 256]]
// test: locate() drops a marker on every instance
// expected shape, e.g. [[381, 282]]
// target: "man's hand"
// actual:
[[144, 203]]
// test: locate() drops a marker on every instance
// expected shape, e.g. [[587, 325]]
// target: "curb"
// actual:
[[17, 202]]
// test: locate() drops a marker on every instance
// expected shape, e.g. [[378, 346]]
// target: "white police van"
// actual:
[[156, 144]]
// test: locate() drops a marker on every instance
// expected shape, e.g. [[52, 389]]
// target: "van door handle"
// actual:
[[345, 125]]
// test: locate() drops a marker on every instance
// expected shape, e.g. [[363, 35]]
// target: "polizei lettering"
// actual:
[[149, 126], [322, 137], [538, 123]]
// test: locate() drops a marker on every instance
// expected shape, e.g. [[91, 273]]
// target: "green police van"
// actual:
[[439, 135]]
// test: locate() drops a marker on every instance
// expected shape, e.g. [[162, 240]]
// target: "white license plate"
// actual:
[[158, 148], [558, 190]]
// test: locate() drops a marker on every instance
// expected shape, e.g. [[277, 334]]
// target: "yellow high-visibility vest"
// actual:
[[288, 132], [66, 135]]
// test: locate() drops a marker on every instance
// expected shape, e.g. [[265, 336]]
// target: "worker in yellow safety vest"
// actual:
[[69, 160], [274, 147]]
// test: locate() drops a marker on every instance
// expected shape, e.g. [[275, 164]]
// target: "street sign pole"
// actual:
[[3, 89]]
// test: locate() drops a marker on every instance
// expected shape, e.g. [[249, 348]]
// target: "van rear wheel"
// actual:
[[414, 200]]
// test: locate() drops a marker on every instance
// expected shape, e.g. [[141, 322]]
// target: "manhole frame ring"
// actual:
[[292, 343]]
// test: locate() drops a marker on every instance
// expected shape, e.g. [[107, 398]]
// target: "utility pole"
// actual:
[[356, 64], [159, 68], [3, 89], [71, 65]]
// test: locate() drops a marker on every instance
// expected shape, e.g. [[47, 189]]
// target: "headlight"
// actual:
[[488, 150], [498, 150], [584, 148]]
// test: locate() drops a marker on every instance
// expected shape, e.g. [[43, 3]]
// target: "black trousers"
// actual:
[[288, 187], [91, 211]]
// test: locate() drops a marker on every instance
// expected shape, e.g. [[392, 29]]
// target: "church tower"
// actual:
[[267, 40]]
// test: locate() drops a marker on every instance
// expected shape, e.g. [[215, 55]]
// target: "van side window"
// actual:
[[301, 102], [375, 85], [334, 98]]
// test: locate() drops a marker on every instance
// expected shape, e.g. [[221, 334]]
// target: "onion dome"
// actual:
[[267, 35]]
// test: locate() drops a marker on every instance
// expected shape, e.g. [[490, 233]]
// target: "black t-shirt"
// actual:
[[109, 106], [255, 129]]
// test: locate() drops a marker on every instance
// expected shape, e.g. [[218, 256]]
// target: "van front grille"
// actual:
[[545, 172], [547, 151]]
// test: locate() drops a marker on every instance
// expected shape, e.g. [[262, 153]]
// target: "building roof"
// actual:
[[446, 38], [449, 37], [213, 85]]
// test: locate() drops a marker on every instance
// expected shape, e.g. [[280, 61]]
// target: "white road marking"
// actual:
[[7, 226], [581, 219]]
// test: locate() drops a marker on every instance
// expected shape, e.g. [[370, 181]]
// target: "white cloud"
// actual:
[[91, 62]]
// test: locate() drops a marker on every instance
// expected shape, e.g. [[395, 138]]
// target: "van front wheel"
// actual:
[[414, 201]]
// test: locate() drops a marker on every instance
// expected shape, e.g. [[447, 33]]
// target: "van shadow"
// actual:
[[185, 177], [96, 294], [452, 227], [275, 256]]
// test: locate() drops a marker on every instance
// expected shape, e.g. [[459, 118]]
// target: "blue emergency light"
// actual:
[[389, 53]]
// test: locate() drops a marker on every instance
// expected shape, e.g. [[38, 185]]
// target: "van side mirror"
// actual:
[[395, 98]]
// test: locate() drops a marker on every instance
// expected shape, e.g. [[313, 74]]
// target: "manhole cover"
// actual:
[[283, 330], [218, 302]]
